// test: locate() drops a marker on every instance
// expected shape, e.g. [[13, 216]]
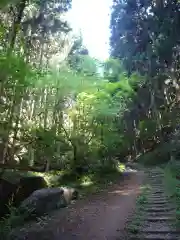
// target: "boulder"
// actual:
[[69, 194], [27, 185], [45, 200], [42, 201]]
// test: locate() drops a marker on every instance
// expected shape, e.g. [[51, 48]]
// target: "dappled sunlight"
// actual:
[[121, 167], [145, 187], [86, 181], [126, 192]]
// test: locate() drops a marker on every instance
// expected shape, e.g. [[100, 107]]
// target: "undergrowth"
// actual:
[[10, 221], [172, 183], [137, 220], [159, 156], [86, 184]]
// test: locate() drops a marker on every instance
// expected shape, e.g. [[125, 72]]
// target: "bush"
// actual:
[[158, 156], [7, 191], [12, 220], [172, 173]]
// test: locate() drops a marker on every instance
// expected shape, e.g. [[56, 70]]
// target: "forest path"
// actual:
[[101, 216]]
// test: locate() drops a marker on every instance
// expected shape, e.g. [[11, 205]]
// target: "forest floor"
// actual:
[[100, 216]]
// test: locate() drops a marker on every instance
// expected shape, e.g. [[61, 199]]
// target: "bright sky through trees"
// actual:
[[92, 17]]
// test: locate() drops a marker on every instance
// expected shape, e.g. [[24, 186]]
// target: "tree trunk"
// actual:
[[75, 155], [18, 115], [16, 24], [9, 126], [47, 165]]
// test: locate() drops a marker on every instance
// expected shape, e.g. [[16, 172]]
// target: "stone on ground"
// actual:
[[42, 201]]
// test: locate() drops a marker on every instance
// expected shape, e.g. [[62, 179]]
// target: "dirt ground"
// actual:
[[101, 216]]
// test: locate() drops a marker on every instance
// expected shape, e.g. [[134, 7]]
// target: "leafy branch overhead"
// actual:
[[62, 109]]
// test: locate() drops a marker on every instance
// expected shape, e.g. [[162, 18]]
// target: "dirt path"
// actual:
[[102, 216]]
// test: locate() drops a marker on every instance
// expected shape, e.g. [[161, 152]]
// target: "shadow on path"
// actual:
[[101, 216]]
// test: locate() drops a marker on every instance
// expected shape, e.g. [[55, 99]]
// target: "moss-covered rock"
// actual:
[[42, 201], [27, 185]]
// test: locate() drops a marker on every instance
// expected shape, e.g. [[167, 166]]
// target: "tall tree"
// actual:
[[144, 34], [145, 37]]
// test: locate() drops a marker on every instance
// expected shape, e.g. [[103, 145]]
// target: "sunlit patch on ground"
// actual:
[[126, 192], [145, 187], [121, 167], [86, 181]]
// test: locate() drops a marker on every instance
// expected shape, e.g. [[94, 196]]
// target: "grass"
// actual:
[[88, 184], [12, 220], [172, 183], [61, 178], [136, 222]]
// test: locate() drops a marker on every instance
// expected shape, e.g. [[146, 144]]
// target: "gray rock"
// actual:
[[45, 200], [42, 201], [69, 194], [27, 186]]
